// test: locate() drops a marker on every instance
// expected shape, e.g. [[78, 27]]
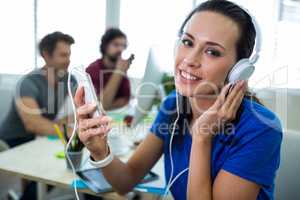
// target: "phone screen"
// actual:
[[84, 79]]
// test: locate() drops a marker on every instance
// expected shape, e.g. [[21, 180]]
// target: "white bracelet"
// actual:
[[104, 162]]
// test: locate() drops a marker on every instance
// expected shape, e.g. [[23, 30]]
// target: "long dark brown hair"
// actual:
[[244, 46]]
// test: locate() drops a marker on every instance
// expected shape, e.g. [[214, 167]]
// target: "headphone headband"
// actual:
[[258, 38]]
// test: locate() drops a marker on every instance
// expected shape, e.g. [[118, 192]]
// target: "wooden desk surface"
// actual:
[[36, 161]]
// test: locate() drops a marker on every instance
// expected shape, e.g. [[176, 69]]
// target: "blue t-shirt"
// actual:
[[251, 151]]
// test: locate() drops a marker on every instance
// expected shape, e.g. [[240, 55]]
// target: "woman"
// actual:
[[239, 163]]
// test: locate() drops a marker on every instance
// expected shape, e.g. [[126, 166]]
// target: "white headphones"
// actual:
[[244, 68]]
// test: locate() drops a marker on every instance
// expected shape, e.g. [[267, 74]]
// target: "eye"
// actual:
[[187, 42], [213, 52]]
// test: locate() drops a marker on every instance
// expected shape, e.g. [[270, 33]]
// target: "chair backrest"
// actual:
[[287, 180], [285, 103], [8, 84], [3, 146]]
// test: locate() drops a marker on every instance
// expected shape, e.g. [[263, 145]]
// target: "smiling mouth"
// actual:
[[187, 76]]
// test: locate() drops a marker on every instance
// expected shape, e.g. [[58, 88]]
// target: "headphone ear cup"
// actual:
[[242, 70]]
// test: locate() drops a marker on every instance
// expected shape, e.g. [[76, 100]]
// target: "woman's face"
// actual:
[[205, 54]]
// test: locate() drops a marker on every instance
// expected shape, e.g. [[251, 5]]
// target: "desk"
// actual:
[[36, 161]]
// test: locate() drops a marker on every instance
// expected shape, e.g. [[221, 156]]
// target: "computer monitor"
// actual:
[[147, 89]]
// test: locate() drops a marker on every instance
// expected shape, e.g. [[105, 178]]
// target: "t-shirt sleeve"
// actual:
[[256, 158], [26, 88], [163, 120]]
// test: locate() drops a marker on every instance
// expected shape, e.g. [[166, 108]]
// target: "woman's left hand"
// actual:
[[222, 111]]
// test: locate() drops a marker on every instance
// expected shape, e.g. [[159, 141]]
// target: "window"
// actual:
[[17, 36], [152, 23], [83, 20], [290, 10], [287, 51]]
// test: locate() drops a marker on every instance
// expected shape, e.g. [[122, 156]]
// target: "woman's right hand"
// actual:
[[92, 131]]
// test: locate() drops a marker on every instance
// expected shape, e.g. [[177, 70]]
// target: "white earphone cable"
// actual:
[[73, 133], [171, 180]]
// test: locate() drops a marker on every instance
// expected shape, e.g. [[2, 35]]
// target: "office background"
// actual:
[[150, 23]]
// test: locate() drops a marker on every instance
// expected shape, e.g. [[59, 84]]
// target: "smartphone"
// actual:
[[131, 58], [90, 96], [95, 180]]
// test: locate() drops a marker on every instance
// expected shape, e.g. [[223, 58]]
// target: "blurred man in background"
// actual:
[[108, 73], [38, 97], [40, 94]]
